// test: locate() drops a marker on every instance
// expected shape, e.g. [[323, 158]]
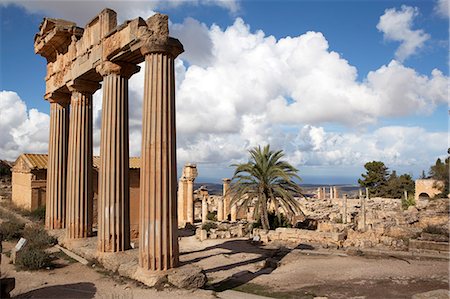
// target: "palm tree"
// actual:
[[263, 179]]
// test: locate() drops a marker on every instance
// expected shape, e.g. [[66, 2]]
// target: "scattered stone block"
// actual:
[[187, 277], [151, 279], [435, 294]]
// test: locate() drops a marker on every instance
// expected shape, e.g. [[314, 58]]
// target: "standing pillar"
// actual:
[[360, 194], [233, 213], [362, 224], [331, 192], [55, 210], [335, 192], [324, 193], [344, 213], [114, 188], [181, 202], [367, 193], [158, 240], [226, 198], [190, 201], [220, 209], [79, 196], [204, 209]]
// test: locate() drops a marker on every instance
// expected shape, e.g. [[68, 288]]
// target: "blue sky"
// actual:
[[374, 103]]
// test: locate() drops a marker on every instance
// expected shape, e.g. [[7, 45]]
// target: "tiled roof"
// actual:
[[39, 161]]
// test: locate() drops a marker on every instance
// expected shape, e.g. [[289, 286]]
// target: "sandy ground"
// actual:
[[239, 264]]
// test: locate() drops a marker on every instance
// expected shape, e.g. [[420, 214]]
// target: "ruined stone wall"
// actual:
[[428, 187], [21, 190]]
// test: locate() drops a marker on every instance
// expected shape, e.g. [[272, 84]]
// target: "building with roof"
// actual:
[[29, 181]]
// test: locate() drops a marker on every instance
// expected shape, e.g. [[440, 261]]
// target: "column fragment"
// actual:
[[114, 189], [158, 241], [79, 196], [55, 211]]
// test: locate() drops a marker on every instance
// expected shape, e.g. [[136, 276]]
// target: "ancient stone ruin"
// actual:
[[78, 59]]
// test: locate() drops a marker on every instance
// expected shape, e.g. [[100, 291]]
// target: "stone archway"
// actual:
[[426, 189]]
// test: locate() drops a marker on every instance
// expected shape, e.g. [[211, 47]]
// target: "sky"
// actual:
[[334, 84]]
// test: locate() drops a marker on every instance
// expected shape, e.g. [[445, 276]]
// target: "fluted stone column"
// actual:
[[190, 200], [220, 209], [55, 211], [226, 198], [158, 240], [114, 187], [335, 192], [324, 193], [79, 196]]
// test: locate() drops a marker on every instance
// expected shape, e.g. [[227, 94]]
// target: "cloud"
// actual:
[[126, 10], [21, 131], [396, 25], [442, 8]]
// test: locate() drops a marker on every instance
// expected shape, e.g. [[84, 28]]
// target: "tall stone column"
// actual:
[[226, 198], [181, 202], [114, 187], [335, 192], [79, 196], [204, 209], [55, 211], [233, 213], [190, 200], [220, 209], [158, 240], [324, 193], [344, 213]]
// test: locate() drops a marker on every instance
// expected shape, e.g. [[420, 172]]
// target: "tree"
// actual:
[[440, 172], [397, 185], [423, 176], [375, 178], [263, 179]]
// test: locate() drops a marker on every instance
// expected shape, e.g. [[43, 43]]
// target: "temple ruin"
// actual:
[[78, 59]]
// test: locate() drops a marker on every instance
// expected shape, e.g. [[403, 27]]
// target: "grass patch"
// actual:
[[38, 237], [11, 230], [38, 214], [253, 288], [33, 258]]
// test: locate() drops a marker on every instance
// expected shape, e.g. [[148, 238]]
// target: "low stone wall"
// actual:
[[301, 235], [420, 246]]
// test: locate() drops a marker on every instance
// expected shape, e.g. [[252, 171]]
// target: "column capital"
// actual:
[[121, 68], [170, 46], [81, 85], [226, 181], [58, 97]]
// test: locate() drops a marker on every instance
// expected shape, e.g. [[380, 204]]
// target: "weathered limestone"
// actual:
[[186, 195], [226, 198], [204, 195], [233, 213], [427, 187], [114, 188], [79, 207], [344, 208], [335, 192], [55, 216], [220, 209], [362, 220], [331, 192], [158, 240]]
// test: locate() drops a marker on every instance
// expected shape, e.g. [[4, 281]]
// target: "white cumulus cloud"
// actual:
[[21, 131], [396, 25], [442, 8]]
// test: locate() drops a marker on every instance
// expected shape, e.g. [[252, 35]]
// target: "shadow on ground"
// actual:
[[83, 290], [269, 258]]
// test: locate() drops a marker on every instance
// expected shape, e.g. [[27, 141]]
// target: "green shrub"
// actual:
[[437, 230], [274, 221], [209, 225], [11, 230], [32, 258], [38, 237], [406, 203], [212, 216], [38, 214]]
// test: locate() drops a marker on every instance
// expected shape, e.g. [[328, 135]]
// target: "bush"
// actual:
[[32, 258], [274, 222], [437, 230], [209, 225], [38, 237], [11, 230], [38, 214], [406, 203], [212, 216]]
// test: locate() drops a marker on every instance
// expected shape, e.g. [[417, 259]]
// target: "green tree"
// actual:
[[263, 179], [397, 185], [423, 176], [375, 178], [440, 172]]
